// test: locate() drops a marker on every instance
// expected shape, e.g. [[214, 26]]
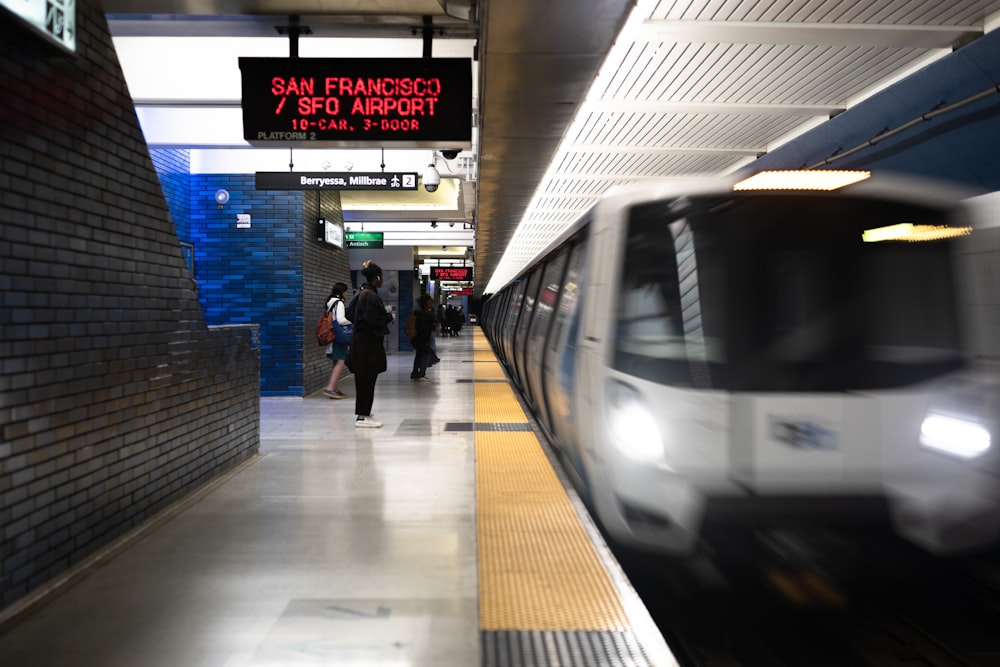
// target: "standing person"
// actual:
[[335, 351], [371, 325], [434, 358], [453, 320], [422, 341]]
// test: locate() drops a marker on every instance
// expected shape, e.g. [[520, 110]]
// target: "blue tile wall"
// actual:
[[253, 275]]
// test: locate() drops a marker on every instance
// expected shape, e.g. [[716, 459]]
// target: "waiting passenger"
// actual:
[[367, 352], [336, 351], [422, 341]]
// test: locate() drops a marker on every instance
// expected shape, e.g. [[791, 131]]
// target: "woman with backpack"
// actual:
[[367, 353], [336, 351]]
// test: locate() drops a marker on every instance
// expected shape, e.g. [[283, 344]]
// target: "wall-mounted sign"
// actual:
[[243, 221], [369, 240], [407, 102], [321, 180], [332, 232], [451, 273], [53, 19]]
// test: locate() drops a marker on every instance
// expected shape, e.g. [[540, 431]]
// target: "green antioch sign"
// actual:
[[368, 240]]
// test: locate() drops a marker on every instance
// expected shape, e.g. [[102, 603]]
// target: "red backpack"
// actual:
[[324, 329]]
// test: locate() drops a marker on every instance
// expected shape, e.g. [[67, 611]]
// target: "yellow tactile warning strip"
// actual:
[[538, 569], [484, 371], [496, 404]]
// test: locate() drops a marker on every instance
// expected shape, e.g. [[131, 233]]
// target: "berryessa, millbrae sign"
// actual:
[[321, 180], [406, 102]]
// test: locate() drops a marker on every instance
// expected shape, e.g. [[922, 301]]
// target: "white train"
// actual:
[[756, 354]]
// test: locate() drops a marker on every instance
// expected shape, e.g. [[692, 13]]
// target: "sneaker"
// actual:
[[333, 394], [340, 394], [367, 422]]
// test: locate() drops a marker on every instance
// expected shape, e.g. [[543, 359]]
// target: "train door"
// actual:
[[512, 311], [520, 334], [560, 359], [541, 323]]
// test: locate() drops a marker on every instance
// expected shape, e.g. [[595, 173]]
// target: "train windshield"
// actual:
[[761, 292]]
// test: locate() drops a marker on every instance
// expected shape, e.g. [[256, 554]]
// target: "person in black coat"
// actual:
[[422, 341], [367, 352]]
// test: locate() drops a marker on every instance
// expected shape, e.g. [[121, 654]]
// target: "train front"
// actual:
[[794, 356]]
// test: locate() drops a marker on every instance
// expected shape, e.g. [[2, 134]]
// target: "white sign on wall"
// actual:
[[334, 233], [243, 221], [54, 19]]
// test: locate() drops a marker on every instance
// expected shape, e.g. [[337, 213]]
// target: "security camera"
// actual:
[[449, 153], [431, 178]]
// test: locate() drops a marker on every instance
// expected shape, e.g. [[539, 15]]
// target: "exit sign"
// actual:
[[369, 240]]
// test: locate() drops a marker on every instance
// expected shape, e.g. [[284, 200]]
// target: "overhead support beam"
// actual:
[[634, 106], [815, 34], [188, 103], [294, 29], [664, 150]]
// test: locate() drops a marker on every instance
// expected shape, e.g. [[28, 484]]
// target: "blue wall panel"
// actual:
[[253, 275]]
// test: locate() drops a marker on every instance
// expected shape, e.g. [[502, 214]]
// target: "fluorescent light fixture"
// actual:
[[913, 233], [958, 437], [816, 179]]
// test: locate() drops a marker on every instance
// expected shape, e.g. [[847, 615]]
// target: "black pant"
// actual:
[[364, 391], [420, 361]]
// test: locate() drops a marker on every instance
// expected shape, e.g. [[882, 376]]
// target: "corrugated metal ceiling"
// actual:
[[702, 88]]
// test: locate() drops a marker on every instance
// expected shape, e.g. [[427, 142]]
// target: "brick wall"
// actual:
[[115, 398], [173, 166], [322, 266]]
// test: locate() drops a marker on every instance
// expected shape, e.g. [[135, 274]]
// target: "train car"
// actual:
[[758, 352]]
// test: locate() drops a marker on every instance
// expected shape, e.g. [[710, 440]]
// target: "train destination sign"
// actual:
[[451, 273], [408, 102], [322, 180], [370, 240]]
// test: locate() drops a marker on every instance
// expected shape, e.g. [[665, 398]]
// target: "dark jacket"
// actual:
[[425, 324], [367, 353]]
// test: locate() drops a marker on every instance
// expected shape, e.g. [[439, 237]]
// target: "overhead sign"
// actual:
[[451, 273], [53, 19], [407, 102], [369, 240], [290, 180]]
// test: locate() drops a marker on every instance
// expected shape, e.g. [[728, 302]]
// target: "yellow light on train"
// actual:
[[913, 233], [815, 179]]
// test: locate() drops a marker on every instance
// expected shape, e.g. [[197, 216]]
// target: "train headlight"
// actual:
[[951, 435], [634, 430]]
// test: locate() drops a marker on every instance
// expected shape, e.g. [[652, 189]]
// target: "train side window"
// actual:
[[569, 296]]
